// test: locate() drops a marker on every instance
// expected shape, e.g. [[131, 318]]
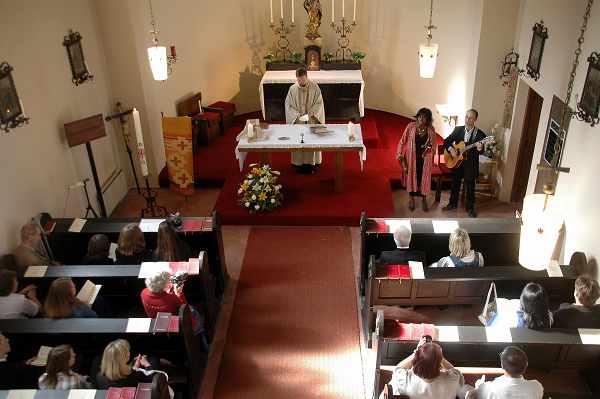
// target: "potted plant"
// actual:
[[270, 57], [328, 57], [357, 56], [296, 58]]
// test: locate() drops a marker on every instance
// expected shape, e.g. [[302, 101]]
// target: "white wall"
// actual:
[[37, 165], [578, 190]]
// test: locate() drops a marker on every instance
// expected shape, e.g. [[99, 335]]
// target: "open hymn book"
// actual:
[[41, 359], [89, 292]]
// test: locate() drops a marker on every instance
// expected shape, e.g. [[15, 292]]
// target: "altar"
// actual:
[[342, 92], [292, 138]]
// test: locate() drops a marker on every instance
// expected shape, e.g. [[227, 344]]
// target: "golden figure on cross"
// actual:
[[313, 9]]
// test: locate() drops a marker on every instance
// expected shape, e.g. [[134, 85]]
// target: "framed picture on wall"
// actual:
[[588, 107], [538, 41], [10, 107], [79, 70]]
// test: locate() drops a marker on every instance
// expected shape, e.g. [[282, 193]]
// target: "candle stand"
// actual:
[[282, 42], [344, 30]]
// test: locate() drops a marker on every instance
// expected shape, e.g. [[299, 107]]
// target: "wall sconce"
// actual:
[[540, 229], [12, 112], [160, 63], [79, 68], [589, 106], [511, 61]]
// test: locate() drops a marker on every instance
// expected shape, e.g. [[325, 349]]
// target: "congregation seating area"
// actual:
[[395, 296], [180, 342]]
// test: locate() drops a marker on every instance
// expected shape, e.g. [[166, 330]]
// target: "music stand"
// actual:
[[84, 131]]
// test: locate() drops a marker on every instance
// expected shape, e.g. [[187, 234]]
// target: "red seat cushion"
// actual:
[[227, 106]]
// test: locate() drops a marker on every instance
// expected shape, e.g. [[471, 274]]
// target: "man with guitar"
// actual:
[[462, 148]]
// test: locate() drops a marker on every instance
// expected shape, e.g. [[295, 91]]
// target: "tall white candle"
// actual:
[[354, 18], [343, 8], [137, 125], [281, 6], [271, 4], [332, 10], [292, 11]]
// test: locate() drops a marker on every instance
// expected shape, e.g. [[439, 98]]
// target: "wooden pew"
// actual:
[[456, 286], [122, 285], [547, 350], [89, 337], [496, 239], [201, 233]]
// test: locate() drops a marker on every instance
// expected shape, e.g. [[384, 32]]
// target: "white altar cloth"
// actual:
[[319, 77], [337, 140]]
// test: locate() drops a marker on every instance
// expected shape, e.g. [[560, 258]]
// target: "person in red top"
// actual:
[[161, 296]]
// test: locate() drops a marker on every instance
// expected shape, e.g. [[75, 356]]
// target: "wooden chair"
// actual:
[[207, 122], [440, 173]]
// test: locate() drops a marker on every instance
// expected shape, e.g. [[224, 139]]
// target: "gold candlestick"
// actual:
[[282, 42], [344, 30]]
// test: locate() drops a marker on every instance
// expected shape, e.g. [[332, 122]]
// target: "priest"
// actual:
[[304, 105]]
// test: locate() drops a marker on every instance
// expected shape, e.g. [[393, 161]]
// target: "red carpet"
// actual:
[[291, 335], [310, 200]]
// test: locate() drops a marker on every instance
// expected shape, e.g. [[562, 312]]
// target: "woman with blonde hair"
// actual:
[[115, 369], [62, 302], [58, 373], [132, 246], [461, 254]]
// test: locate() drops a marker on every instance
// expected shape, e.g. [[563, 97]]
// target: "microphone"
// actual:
[[80, 183]]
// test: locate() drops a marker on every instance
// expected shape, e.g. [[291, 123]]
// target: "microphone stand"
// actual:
[[121, 115]]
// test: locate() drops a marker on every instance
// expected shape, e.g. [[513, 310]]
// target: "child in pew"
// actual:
[[16, 375], [169, 247], [426, 374], [98, 251], [530, 311], [59, 373], [461, 254], [132, 246], [511, 385], [62, 302], [116, 369], [13, 304]]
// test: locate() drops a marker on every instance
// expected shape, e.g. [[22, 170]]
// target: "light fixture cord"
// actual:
[[154, 31], [580, 40], [429, 27]]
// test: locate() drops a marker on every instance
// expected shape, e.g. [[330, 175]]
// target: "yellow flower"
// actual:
[[244, 186], [255, 171], [262, 196]]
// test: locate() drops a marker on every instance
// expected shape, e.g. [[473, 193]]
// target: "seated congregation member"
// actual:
[[161, 296], [132, 246], [13, 304], [402, 254], [115, 369], [426, 374], [169, 247], [512, 384], [31, 251], [62, 302], [97, 252], [530, 311], [16, 375], [584, 313], [461, 254], [58, 373]]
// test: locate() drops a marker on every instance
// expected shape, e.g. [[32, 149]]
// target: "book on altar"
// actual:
[[41, 359], [395, 272], [88, 293], [414, 332]]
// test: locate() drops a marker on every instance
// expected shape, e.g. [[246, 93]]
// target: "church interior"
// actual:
[[299, 198]]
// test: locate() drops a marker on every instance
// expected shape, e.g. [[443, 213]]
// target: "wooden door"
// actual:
[[531, 122]]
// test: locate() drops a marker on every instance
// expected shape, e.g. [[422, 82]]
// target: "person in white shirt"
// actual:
[[13, 304], [511, 385]]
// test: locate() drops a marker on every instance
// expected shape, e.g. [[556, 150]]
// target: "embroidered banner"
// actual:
[[177, 133]]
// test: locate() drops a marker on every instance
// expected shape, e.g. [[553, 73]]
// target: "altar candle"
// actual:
[[271, 4], [137, 126], [281, 5], [292, 11], [332, 11], [354, 18], [343, 8]]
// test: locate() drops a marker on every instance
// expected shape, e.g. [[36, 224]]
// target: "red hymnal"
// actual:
[[207, 225], [174, 324], [190, 225], [414, 332], [113, 393], [398, 271], [128, 393], [161, 323]]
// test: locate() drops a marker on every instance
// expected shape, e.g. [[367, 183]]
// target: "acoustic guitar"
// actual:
[[461, 148]]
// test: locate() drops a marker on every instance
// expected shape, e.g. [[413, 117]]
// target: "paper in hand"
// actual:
[[303, 118]]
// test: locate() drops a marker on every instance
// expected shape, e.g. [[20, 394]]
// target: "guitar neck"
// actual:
[[474, 144]]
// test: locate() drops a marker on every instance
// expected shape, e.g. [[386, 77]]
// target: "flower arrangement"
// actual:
[[259, 192], [491, 149]]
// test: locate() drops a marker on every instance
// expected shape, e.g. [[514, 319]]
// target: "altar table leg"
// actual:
[[264, 158], [339, 172]]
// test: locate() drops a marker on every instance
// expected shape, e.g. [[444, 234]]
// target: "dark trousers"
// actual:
[[419, 163], [457, 177]]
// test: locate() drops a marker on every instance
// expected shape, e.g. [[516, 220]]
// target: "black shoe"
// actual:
[[449, 207], [472, 213], [411, 204]]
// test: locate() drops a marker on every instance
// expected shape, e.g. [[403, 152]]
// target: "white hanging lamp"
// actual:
[[157, 55], [428, 52]]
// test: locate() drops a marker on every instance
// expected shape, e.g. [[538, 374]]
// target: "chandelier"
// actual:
[[160, 63]]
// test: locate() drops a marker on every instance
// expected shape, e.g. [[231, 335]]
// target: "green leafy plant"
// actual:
[[327, 57], [270, 57], [357, 56], [296, 58]]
